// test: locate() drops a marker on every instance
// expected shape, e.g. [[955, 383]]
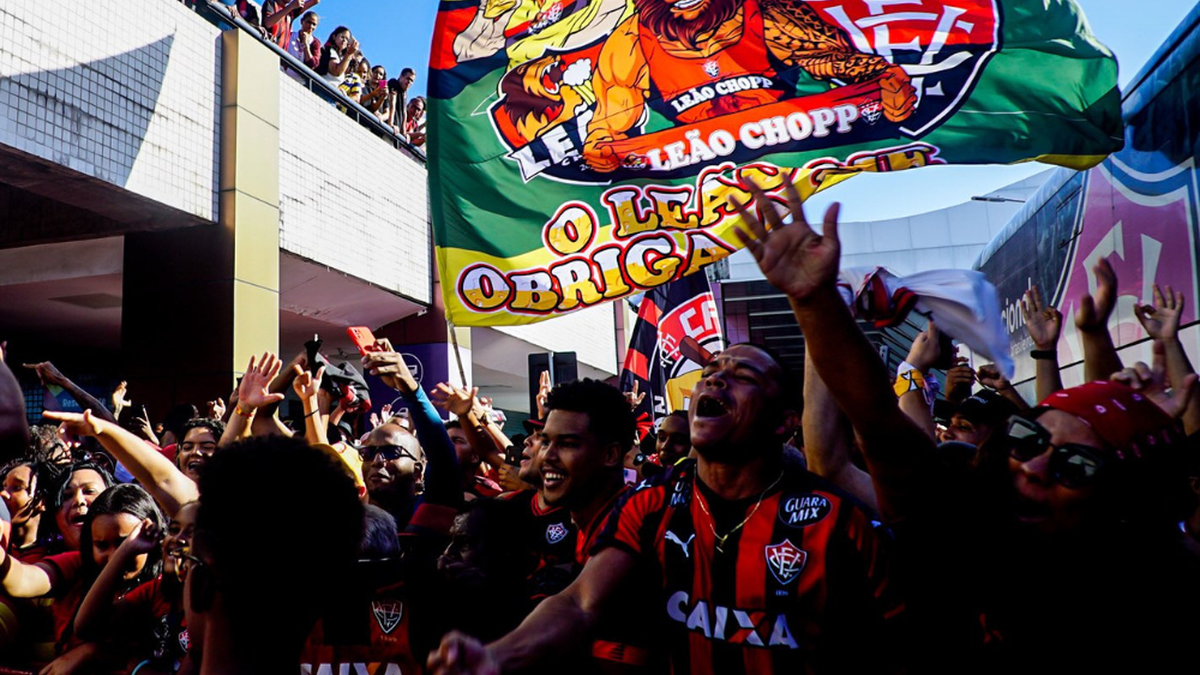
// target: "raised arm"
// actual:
[[465, 405], [912, 386], [253, 393], [306, 385], [1161, 322], [1100, 358], [991, 377], [557, 627], [1044, 324], [19, 580], [169, 486], [442, 483], [828, 439], [804, 265], [48, 374], [97, 608]]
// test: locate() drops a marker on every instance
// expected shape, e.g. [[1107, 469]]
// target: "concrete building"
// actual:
[[172, 203]]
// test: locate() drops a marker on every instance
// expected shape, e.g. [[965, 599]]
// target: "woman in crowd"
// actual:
[[149, 619], [336, 55], [66, 577]]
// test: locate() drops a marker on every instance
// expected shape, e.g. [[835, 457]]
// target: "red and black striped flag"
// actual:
[[677, 331]]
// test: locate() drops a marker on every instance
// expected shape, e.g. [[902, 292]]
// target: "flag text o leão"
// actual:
[[584, 150]]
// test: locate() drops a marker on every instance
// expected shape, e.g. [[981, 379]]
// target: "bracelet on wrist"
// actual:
[[1044, 354], [243, 412], [314, 412]]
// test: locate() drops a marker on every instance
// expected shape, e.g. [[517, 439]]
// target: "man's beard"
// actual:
[[657, 17]]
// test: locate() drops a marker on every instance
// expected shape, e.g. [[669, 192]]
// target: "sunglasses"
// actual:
[[1072, 465], [388, 452]]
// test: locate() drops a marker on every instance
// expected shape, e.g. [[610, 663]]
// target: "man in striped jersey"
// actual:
[[763, 567]]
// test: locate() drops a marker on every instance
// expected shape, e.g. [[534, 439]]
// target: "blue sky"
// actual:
[[397, 33]]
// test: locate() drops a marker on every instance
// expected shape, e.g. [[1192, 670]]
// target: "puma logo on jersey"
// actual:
[[736, 626], [674, 538]]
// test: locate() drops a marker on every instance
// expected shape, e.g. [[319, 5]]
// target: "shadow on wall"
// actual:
[[92, 117]]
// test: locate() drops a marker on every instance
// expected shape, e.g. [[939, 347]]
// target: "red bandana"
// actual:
[[1126, 420]]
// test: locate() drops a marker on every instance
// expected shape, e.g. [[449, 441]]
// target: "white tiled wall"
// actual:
[[349, 200], [127, 92]]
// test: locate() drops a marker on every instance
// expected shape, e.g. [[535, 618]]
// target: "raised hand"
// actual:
[[1161, 321], [633, 398], [253, 392], [794, 258], [454, 399], [1152, 381], [306, 385], [544, 387], [216, 409], [119, 400], [47, 373], [925, 349], [1043, 323], [143, 427], [990, 377], [959, 380], [73, 426], [144, 537], [1094, 310], [389, 366]]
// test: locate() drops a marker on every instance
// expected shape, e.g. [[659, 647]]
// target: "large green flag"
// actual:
[[584, 150]]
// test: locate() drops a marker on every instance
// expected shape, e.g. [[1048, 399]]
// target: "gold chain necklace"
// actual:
[[712, 521]]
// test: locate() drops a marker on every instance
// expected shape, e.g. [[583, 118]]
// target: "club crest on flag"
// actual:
[[785, 560], [605, 138]]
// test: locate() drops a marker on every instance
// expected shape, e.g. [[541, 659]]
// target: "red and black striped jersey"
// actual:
[[550, 537], [802, 586]]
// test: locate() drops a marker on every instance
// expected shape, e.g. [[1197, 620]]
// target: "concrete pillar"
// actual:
[[199, 301]]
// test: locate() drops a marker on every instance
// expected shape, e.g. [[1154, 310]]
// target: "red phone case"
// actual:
[[363, 338]]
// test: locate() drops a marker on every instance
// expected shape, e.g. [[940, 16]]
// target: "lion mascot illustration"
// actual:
[[668, 49], [529, 29], [541, 94]]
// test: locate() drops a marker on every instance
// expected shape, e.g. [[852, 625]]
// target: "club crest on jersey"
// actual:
[[388, 614], [786, 561], [556, 533], [712, 68], [185, 640], [804, 509]]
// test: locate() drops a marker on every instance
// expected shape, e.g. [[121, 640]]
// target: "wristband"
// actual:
[[909, 380], [238, 409], [314, 412], [1044, 354]]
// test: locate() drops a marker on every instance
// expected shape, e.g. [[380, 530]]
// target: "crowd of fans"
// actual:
[[880, 529], [293, 26]]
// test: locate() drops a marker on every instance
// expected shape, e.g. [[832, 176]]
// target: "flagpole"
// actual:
[[462, 374]]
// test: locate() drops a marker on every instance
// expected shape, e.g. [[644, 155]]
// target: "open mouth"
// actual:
[[686, 4], [709, 406], [552, 477], [551, 76], [195, 465], [78, 519]]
